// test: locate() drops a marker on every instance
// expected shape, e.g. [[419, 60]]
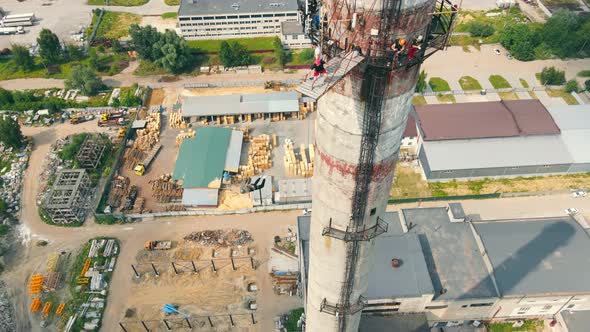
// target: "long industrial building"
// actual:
[[229, 109], [439, 263], [222, 19], [502, 139]]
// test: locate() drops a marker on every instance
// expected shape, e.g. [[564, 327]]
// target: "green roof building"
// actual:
[[203, 159]]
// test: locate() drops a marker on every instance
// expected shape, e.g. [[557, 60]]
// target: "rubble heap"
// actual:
[[6, 315], [11, 181], [220, 237]]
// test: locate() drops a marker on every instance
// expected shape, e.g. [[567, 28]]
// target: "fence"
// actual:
[[237, 83], [484, 91], [94, 29], [443, 198]]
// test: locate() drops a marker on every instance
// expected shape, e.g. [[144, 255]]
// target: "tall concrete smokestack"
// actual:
[[360, 122]]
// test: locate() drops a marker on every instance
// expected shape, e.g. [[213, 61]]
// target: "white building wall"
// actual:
[[472, 309], [234, 25], [295, 41]]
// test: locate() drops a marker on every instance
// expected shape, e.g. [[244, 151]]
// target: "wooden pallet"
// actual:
[[337, 68]]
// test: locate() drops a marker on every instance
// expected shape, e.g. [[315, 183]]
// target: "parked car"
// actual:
[[497, 51], [571, 211], [578, 193]]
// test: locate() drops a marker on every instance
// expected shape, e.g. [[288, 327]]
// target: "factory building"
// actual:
[[501, 139], [229, 109], [293, 36], [202, 161], [222, 19], [439, 263]]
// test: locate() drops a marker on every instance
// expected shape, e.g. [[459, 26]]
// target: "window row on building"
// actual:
[[233, 17]]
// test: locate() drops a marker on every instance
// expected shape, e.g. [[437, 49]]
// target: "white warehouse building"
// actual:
[[221, 19]]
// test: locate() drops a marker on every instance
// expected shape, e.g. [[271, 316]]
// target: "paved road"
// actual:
[[153, 7]]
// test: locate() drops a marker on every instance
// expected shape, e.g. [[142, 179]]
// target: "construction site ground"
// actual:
[[196, 294]]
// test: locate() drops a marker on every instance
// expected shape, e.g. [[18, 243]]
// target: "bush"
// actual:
[[587, 85], [421, 83], [520, 40], [438, 84], [4, 229], [552, 76], [572, 86], [584, 73], [478, 29], [306, 56]]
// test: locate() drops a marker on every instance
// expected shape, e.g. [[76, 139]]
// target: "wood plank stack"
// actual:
[[184, 134], [175, 120], [138, 205], [52, 261], [165, 189], [298, 164], [119, 188], [259, 156], [51, 281], [247, 136], [132, 157], [145, 139]]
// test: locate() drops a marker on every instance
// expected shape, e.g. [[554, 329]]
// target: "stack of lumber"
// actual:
[[298, 164], [247, 136], [259, 156], [138, 206], [175, 120], [284, 283], [145, 140], [133, 157], [165, 189], [184, 134], [175, 207], [119, 188], [51, 281], [52, 261]]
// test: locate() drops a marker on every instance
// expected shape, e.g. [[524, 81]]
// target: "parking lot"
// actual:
[[59, 16]]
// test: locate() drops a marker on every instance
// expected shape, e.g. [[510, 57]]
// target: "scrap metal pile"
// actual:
[[220, 237]]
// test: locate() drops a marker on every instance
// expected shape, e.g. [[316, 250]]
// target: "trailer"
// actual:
[[111, 122], [22, 23], [12, 30], [142, 167], [158, 245], [30, 16]]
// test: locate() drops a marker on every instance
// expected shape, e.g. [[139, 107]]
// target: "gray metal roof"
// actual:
[[214, 7], [455, 264], [570, 117], [394, 323], [496, 152], [291, 28], [275, 102], [457, 210], [294, 190], [538, 256], [576, 321], [234, 151], [200, 196], [411, 279], [574, 122], [303, 230]]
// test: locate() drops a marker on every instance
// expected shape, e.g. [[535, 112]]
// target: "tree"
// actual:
[[520, 40], [559, 33], [3, 207], [478, 29], [5, 97], [93, 59], [280, 53], [587, 85], [233, 54], [421, 84], [583, 34], [143, 40], [166, 50], [572, 86], [84, 79], [74, 52], [49, 46], [10, 133], [552, 76], [22, 57]]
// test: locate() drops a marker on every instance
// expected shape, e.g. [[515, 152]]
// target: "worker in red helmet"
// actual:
[[318, 69]]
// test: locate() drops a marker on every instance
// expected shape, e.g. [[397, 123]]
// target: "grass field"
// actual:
[[508, 96], [584, 73], [446, 99], [129, 3], [115, 25], [499, 82], [252, 44], [172, 2], [409, 184], [419, 100], [529, 326], [438, 84], [524, 83], [170, 15], [569, 99], [469, 83]]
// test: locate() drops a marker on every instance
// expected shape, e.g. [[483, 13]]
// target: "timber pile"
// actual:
[[138, 206], [145, 140], [284, 282], [165, 189], [175, 120], [51, 281], [259, 156], [247, 136], [175, 207], [52, 261], [298, 164], [118, 191], [184, 134]]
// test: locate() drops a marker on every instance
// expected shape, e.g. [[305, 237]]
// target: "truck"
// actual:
[[15, 22], [75, 119], [142, 167], [12, 30], [158, 245], [111, 122]]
